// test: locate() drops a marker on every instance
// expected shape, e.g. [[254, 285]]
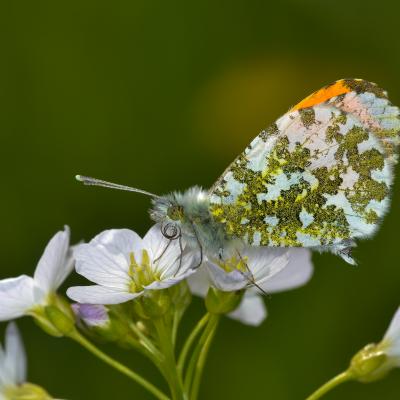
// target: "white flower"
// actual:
[[12, 361], [124, 266], [273, 270], [391, 341], [18, 296]]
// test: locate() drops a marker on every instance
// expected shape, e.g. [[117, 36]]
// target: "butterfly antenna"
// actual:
[[87, 180]]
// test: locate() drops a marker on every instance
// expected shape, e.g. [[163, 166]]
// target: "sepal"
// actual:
[[219, 302], [57, 318], [154, 304], [369, 364]]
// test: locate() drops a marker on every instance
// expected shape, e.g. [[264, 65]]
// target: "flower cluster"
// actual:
[[141, 289]]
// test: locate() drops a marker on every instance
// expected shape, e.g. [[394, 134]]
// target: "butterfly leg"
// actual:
[[180, 255], [250, 276], [199, 244], [163, 252]]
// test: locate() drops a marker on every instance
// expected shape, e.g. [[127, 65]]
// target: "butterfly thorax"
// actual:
[[188, 215]]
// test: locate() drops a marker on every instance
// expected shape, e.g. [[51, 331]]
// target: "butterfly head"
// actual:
[[179, 212]]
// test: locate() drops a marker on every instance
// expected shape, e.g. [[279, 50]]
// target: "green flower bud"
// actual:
[[61, 321], [369, 364], [26, 391], [43, 322], [152, 304], [56, 318], [219, 302], [106, 323]]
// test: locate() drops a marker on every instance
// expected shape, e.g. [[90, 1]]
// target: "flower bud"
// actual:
[[27, 391], [153, 304], [57, 318], [43, 322], [105, 323], [61, 321], [93, 315], [369, 364], [219, 302]]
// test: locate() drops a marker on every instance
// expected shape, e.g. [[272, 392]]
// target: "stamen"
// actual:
[[142, 274]]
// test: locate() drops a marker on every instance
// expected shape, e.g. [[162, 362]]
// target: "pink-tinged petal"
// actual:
[[17, 296], [53, 266], [297, 272], [15, 357], [251, 310], [99, 295], [92, 314]]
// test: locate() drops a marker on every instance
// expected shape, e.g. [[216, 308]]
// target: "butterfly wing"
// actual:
[[318, 177]]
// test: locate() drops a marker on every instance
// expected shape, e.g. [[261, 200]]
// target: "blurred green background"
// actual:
[[163, 95]]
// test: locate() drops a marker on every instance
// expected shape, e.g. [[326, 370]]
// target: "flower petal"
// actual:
[[251, 310], [105, 260], [170, 281], [119, 241], [265, 262], [297, 272], [392, 336], [99, 295], [167, 252], [91, 314], [199, 282], [55, 264], [17, 296], [225, 281], [15, 360]]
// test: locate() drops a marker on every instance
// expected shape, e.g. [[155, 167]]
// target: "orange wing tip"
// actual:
[[338, 88]]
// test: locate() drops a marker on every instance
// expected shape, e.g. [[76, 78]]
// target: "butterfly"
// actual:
[[319, 177]]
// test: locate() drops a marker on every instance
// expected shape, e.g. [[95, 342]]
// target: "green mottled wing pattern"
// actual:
[[320, 176]]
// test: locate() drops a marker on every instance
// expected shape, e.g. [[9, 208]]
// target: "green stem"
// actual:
[[189, 342], [331, 384], [209, 335], [175, 325], [167, 347], [144, 341], [75, 335]]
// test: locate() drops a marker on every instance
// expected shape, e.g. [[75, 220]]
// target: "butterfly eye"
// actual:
[[171, 231]]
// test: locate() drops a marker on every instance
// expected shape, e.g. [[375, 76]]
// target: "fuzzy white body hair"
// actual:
[[196, 224]]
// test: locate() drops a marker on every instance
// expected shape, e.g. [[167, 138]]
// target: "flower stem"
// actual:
[[164, 333], [208, 338], [75, 335], [189, 342], [331, 384]]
